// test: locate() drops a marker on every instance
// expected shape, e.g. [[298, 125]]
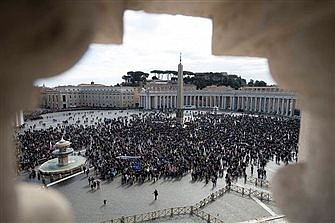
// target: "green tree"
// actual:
[[260, 84], [136, 78], [251, 83]]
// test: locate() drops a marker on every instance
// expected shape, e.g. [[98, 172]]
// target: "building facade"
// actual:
[[266, 100], [89, 96]]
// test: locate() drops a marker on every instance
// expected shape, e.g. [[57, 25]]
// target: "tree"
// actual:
[[157, 73], [126, 78], [242, 81], [251, 83], [260, 84], [199, 79], [135, 78]]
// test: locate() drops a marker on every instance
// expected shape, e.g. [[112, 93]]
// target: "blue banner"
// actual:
[[136, 166]]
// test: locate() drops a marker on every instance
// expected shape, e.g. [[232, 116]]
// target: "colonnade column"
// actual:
[[144, 102], [250, 103], [149, 102], [256, 101], [221, 102], [254, 104], [264, 102], [282, 107], [224, 102], [161, 102], [155, 102], [291, 107], [247, 103], [168, 98], [287, 106]]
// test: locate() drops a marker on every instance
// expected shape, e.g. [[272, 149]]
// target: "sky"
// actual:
[[153, 42]]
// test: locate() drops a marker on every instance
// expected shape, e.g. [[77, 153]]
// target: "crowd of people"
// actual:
[[150, 146]]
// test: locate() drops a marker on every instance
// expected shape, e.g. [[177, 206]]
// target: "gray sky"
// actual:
[[153, 42]]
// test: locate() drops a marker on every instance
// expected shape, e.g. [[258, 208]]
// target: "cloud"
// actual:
[[153, 41]]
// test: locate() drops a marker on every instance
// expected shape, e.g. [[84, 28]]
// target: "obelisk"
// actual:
[[180, 94]]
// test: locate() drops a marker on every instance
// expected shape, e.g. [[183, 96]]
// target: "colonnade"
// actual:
[[270, 104], [19, 120]]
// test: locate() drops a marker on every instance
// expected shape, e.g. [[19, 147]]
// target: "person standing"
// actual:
[[245, 178], [155, 194]]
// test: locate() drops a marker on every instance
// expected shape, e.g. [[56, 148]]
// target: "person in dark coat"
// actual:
[[155, 194]]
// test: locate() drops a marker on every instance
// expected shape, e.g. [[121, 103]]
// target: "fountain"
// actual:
[[64, 164]]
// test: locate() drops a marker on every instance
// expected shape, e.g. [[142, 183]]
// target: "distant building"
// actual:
[[266, 100], [89, 96], [161, 94]]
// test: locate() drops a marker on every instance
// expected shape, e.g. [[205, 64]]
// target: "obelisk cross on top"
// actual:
[[180, 94]]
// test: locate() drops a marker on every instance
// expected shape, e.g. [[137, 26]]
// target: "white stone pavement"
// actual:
[[129, 200]]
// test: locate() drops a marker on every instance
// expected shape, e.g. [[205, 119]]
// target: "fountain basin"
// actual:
[[60, 152], [53, 170]]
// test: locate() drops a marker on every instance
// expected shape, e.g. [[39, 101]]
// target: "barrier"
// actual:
[[196, 209], [258, 182], [162, 213], [207, 217]]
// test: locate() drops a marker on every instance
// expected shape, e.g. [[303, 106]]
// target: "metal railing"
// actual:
[[212, 197], [168, 212], [258, 181], [207, 217], [263, 196], [153, 215], [196, 209]]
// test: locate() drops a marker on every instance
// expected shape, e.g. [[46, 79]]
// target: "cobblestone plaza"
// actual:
[[125, 200]]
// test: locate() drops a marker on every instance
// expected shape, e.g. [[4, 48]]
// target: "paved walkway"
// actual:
[[232, 207], [129, 200]]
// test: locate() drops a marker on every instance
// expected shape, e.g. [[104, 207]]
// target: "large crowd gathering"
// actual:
[[149, 146]]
